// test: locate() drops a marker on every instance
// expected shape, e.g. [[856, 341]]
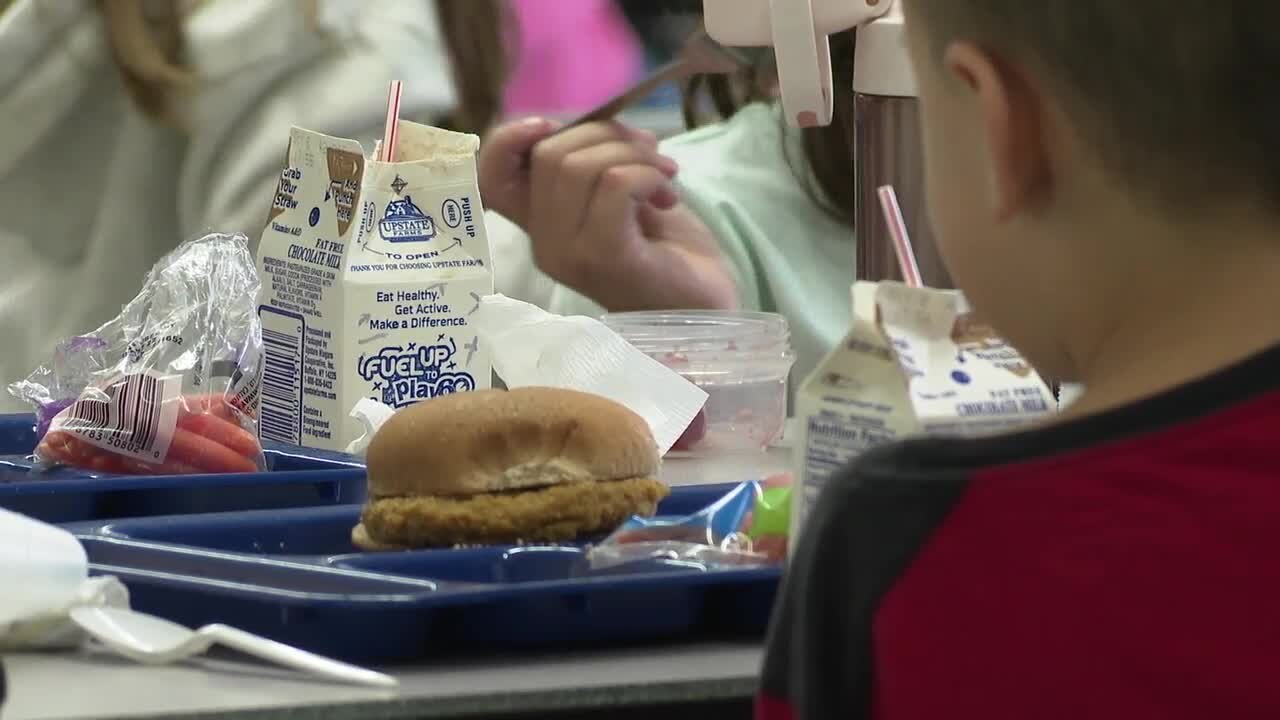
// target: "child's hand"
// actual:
[[506, 159], [503, 166], [604, 219]]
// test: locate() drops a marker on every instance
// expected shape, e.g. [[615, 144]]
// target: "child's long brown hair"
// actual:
[[827, 172], [476, 34], [146, 42]]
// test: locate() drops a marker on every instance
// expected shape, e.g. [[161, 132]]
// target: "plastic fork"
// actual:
[[155, 641]]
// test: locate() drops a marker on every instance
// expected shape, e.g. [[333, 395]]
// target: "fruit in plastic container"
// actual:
[[694, 434]]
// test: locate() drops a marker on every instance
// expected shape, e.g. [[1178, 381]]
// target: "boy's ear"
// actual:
[[1009, 115]]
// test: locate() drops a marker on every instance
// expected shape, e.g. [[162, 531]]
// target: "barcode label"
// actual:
[[132, 415], [281, 392]]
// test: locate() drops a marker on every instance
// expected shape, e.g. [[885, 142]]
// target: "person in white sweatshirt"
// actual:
[[129, 126]]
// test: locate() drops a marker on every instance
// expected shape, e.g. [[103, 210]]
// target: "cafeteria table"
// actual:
[[702, 681]]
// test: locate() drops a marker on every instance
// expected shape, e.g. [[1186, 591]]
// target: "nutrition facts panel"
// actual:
[[833, 440]]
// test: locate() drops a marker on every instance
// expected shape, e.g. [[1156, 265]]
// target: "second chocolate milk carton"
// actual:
[[370, 272], [915, 362]]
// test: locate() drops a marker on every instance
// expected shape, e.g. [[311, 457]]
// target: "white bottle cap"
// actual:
[[881, 64]]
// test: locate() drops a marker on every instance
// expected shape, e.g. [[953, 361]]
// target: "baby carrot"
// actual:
[[188, 448], [224, 432]]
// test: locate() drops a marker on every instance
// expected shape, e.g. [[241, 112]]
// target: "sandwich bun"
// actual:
[[494, 466], [497, 440]]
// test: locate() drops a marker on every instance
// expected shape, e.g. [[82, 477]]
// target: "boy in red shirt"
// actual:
[[1104, 179]]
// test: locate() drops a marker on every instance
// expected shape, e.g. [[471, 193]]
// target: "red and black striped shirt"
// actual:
[[1124, 565]]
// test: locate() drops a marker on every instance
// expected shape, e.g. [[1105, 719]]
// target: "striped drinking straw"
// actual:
[[901, 240], [393, 122]]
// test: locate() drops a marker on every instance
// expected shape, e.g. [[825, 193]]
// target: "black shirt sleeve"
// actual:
[[861, 535]]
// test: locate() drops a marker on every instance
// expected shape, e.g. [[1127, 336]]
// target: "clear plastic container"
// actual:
[[741, 359]]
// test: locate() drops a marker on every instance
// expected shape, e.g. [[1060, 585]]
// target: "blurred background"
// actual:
[[570, 55]]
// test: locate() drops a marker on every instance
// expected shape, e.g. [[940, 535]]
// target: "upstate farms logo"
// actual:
[[404, 222]]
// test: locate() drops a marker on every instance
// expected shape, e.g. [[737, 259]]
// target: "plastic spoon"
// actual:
[[154, 641]]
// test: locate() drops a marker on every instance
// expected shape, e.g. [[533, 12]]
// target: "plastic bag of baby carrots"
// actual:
[[171, 385]]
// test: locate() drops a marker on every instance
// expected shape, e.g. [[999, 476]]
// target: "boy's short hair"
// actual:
[[1179, 100]]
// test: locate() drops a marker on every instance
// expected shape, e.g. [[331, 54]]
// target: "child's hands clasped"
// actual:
[[598, 203]]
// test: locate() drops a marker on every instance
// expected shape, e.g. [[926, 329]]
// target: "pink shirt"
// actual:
[[571, 55]]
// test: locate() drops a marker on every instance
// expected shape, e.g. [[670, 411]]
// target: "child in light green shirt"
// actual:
[[742, 214], [784, 252]]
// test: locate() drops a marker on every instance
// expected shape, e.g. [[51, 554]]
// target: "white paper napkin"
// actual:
[[370, 414], [42, 566], [532, 347], [53, 629], [43, 574]]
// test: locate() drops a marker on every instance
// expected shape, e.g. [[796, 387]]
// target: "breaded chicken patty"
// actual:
[[549, 514]]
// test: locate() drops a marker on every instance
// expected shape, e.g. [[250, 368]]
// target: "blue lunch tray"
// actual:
[[296, 477], [294, 576]]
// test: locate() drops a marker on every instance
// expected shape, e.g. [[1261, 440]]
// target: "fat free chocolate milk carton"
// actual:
[[915, 362], [370, 272]]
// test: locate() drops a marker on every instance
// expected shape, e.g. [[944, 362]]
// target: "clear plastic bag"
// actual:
[[748, 526], [171, 385]]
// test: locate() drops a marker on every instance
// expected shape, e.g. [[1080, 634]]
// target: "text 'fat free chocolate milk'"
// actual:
[[915, 362]]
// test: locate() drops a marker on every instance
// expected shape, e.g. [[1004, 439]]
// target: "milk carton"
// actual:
[[370, 272], [915, 362]]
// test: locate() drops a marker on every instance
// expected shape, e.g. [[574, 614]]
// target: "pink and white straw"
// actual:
[[393, 122], [901, 240]]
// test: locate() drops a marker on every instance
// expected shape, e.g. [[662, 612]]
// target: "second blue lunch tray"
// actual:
[[294, 576], [295, 477]]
